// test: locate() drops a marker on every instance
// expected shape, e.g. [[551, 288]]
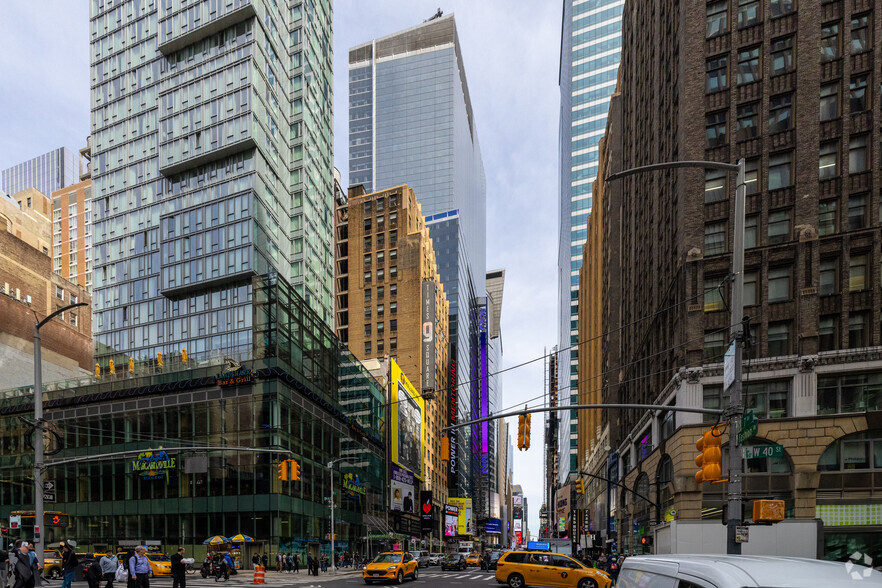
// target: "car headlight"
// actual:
[[392, 567]]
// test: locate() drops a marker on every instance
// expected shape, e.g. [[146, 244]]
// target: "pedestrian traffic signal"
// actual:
[[283, 470], [580, 486], [159, 360], [527, 431], [522, 420], [445, 448], [295, 470], [112, 369], [132, 365], [711, 456], [184, 355]]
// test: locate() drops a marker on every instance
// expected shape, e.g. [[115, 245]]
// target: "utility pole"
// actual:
[[331, 479]]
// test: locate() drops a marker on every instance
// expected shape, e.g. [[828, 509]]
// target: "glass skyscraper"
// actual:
[[212, 163], [48, 172], [591, 41], [411, 122]]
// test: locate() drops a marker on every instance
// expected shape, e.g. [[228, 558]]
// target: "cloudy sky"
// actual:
[[511, 52]]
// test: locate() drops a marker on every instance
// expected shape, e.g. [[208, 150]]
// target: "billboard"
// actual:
[[494, 526], [562, 509], [483, 391], [452, 478], [427, 520], [402, 488], [428, 349], [408, 423], [464, 520], [518, 525], [451, 520]]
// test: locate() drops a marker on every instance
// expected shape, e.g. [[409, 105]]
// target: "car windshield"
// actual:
[[453, 557], [388, 558], [157, 557], [415, 553]]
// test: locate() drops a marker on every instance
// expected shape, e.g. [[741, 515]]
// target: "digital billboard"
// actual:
[[464, 519], [408, 423], [484, 394], [402, 488], [428, 345], [451, 520]]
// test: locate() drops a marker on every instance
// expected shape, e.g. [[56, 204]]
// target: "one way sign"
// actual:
[[48, 485]]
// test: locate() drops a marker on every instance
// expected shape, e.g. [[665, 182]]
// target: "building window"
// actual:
[[393, 201], [779, 284], [380, 347], [780, 170], [381, 329], [750, 224], [381, 204], [367, 243], [73, 319], [393, 308], [381, 292], [860, 34], [393, 272], [393, 344], [381, 275], [782, 55], [828, 280], [367, 261], [367, 295], [393, 255], [59, 292], [857, 212], [393, 325], [380, 310], [779, 113], [717, 19], [830, 46], [368, 209], [857, 273], [751, 176], [714, 185], [751, 288], [714, 345], [72, 299], [367, 348], [367, 277], [828, 160], [827, 217], [781, 7], [857, 330], [715, 238], [717, 70], [827, 335], [857, 154], [844, 393], [747, 124], [768, 399], [748, 13], [381, 223], [779, 339], [715, 129], [748, 66], [857, 95], [779, 227], [381, 241], [367, 312], [393, 290], [367, 329], [367, 225], [713, 295], [829, 101], [381, 257]]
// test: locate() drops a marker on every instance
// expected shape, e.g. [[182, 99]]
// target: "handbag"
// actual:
[[121, 573]]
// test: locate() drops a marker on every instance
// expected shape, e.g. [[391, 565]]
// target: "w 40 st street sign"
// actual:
[[763, 451]]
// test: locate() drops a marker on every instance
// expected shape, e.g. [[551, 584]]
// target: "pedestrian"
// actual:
[[296, 563], [139, 568], [4, 567], [324, 562], [290, 567], [69, 564], [264, 560], [487, 560], [27, 568], [178, 569], [228, 565], [109, 565], [93, 574], [279, 561], [255, 560]]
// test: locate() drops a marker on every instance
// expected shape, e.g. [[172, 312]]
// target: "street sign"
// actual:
[[729, 366], [14, 521], [749, 426], [763, 451], [48, 485], [742, 534], [48, 496]]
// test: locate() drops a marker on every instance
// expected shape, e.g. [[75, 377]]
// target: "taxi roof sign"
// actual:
[[539, 545]]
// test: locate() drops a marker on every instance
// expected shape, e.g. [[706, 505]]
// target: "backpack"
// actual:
[[613, 567]]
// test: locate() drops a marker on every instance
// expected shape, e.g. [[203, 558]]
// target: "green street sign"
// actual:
[[763, 451], [749, 426]]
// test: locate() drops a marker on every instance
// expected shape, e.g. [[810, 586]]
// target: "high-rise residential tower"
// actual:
[[590, 49], [48, 172], [211, 163], [411, 122]]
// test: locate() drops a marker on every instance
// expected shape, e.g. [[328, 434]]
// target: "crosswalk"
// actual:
[[459, 576]]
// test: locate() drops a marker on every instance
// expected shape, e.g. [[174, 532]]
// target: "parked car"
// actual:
[[540, 568], [741, 571], [391, 565], [435, 559], [454, 561], [421, 557]]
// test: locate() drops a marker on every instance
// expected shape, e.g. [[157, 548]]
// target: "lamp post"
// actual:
[[331, 478], [38, 423]]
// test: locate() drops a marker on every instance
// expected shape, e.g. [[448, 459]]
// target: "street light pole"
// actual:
[[38, 424], [331, 478]]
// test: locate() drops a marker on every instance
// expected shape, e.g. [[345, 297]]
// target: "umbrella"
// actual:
[[216, 540], [240, 538]]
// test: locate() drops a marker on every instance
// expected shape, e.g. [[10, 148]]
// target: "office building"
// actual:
[[26, 215], [591, 41], [47, 173], [411, 122], [72, 233], [734, 86]]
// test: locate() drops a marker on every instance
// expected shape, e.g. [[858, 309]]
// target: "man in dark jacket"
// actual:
[[27, 568], [4, 567], [69, 563], [178, 569]]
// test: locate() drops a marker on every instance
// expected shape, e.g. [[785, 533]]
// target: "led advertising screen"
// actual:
[[464, 520], [408, 423], [402, 488], [451, 520]]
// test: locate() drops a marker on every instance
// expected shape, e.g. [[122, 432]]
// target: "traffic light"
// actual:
[[283, 470], [580, 486], [97, 371], [159, 360], [445, 448], [711, 456], [527, 432], [768, 511], [112, 369], [132, 365], [184, 355], [295, 469], [521, 426]]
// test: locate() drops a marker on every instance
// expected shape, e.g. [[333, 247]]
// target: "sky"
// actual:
[[510, 50]]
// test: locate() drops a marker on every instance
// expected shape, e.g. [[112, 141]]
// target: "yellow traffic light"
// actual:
[[711, 456], [132, 365], [521, 425], [527, 432], [445, 448], [159, 360], [580, 486], [112, 369], [283, 470], [97, 371], [184, 355], [295, 469]]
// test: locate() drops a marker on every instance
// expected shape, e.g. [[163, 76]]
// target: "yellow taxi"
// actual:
[[540, 568], [52, 564], [391, 565], [160, 564], [474, 559]]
